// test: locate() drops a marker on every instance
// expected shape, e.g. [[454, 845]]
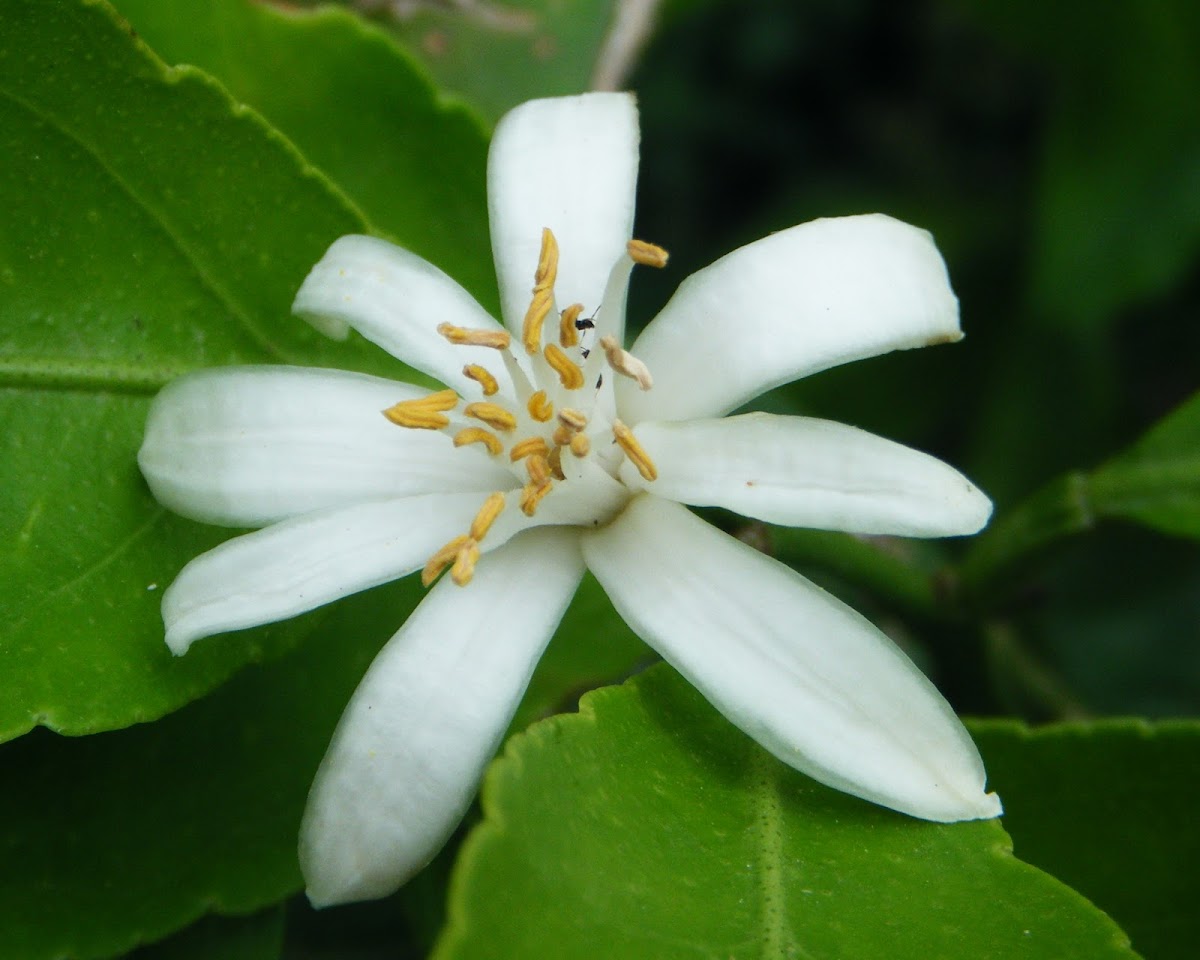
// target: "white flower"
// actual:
[[568, 451]]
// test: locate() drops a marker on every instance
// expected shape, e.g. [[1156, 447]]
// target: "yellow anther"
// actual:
[[580, 445], [540, 407], [532, 495], [494, 415], [496, 339], [570, 374], [539, 470], [647, 254], [441, 559], [555, 462], [416, 415], [531, 328], [547, 268], [527, 447], [572, 419], [487, 515], [625, 363], [568, 334], [562, 435], [423, 413], [478, 435], [464, 563], [482, 377], [634, 451]]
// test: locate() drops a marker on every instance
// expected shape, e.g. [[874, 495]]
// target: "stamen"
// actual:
[[555, 462], [487, 515], [464, 563], [482, 377], [423, 413], [547, 268], [531, 328], [441, 559], [494, 415], [572, 419], [570, 374], [526, 447], [634, 451], [580, 445], [647, 254], [562, 435], [539, 470], [496, 339], [540, 407], [478, 435], [625, 363], [568, 333], [532, 495]]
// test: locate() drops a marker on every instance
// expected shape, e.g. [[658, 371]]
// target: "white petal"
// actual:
[[413, 743], [800, 672], [569, 164], [303, 563], [793, 303], [246, 446], [803, 472], [396, 300]]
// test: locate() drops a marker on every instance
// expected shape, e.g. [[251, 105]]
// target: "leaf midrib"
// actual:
[[230, 302]]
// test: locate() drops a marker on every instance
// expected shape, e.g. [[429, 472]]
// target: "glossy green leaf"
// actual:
[[498, 54], [1109, 808], [151, 227], [647, 826], [124, 837], [257, 937], [1155, 482], [357, 106]]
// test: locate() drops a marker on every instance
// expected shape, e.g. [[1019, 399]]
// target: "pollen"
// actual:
[[547, 268], [540, 407], [539, 470], [647, 254], [572, 419], [464, 563], [532, 495], [463, 336], [568, 334], [441, 559], [570, 374], [491, 509], [482, 377], [580, 445], [423, 413], [494, 415], [531, 328], [528, 447], [625, 363], [470, 435], [634, 451]]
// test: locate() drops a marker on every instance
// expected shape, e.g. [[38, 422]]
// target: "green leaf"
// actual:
[[124, 837], [257, 937], [1155, 482], [1109, 808], [359, 109], [499, 54], [647, 826], [151, 227]]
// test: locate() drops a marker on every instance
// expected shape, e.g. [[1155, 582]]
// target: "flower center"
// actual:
[[563, 405]]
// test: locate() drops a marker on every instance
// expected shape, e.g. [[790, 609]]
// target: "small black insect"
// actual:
[[585, 323]]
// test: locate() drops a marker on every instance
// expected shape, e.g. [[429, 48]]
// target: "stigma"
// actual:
[[559, 434]]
